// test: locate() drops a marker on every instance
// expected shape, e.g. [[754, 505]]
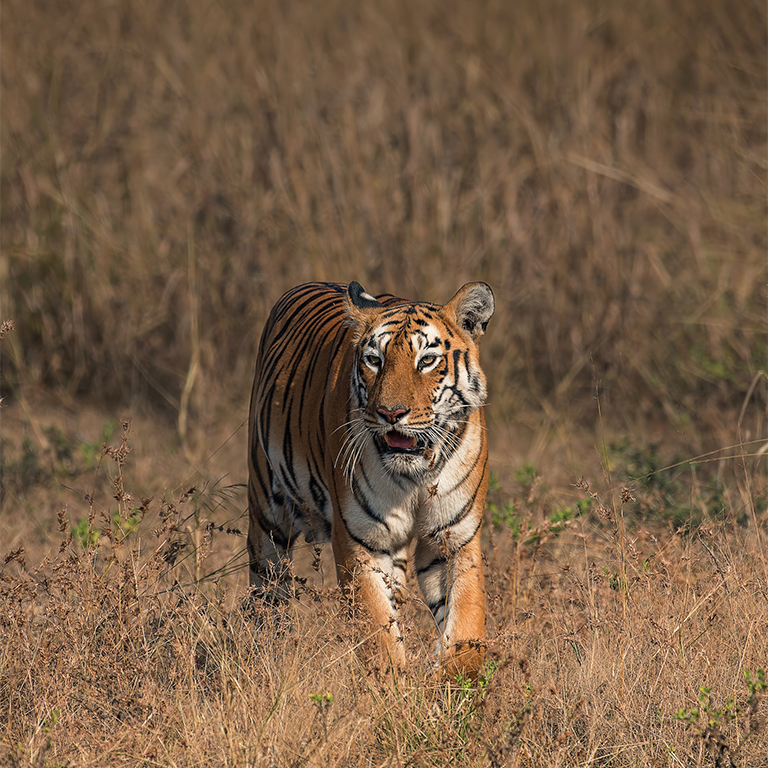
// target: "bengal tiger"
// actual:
[[366, 428]]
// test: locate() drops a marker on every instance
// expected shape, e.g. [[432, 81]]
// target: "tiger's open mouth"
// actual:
[[399, 441], [396, 442]]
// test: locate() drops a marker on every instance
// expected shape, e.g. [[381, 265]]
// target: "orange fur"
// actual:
[[366, 428]]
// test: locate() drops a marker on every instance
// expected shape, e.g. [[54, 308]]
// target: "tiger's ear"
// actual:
[[472, 308], [359, 305]]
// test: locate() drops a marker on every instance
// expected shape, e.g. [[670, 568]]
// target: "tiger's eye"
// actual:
[[427, 360]]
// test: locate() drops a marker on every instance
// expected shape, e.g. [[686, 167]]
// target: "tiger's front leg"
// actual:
[[451, 580], [374, 582]]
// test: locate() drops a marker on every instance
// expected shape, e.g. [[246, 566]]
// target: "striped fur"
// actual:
[[366, 428]]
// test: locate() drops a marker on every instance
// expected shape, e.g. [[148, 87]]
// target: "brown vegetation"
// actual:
[[616, 638], [170, 168]]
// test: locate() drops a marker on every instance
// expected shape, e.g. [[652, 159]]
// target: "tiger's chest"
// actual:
[[381, 511]]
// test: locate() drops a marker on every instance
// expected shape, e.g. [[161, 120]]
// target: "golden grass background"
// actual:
[[170, 168]]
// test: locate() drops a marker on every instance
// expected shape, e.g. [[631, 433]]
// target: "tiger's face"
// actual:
[[416, 375]]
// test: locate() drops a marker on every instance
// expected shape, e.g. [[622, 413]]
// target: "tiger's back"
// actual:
[[305, 351], [366, 427]]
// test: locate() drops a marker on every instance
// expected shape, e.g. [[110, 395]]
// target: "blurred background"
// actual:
[[171, 167]]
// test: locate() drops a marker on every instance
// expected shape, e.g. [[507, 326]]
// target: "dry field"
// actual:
[[170, 167], [627, 619]]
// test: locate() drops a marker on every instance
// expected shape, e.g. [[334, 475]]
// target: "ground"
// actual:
[[626, 611]]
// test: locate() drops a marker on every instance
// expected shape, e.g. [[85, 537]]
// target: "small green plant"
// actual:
[[707, 366], [526, 475], [709, 723], [126, 527], [468, 700], [557, 520], [506, 517], [90, 452], [60, 444], [756, 687], [562, 515], [84, 534], [322, 702], [48, 725], [21, 472]]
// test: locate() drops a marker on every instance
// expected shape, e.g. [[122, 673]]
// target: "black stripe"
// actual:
[[321, 409], [448, 448], [361, 542], [465, 510], [271, 529], [318, 492], [468, 473], [316, 473], [357, 492], [288, 440], [310, 338], [310, 371], [437, 561], [289, 482], [266, 418], [266, 488], [454, 388], [296, 327], [474, 533], [281, 351], [433, 607]]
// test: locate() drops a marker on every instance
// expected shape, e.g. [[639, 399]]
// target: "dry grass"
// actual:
[[170, 168], [125, 637]]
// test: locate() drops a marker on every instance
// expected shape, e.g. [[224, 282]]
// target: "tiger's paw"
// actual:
[[464, 658]]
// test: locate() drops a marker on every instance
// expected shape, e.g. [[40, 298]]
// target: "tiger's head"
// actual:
[[416, 375]]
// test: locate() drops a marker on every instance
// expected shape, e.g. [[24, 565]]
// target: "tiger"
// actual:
[[366, 428]]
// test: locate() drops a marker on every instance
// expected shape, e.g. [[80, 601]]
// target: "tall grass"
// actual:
[[132, 642], [170, 168]]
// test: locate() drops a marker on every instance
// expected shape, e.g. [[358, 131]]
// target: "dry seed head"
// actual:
[[605, 513], [16, 555]]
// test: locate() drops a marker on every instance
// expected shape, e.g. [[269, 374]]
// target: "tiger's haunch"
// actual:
[[366, 428]]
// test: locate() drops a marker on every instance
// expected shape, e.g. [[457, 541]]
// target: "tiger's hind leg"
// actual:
[[271, 534]]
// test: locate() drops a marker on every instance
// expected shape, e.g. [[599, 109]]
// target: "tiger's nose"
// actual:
[[394, 415]]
